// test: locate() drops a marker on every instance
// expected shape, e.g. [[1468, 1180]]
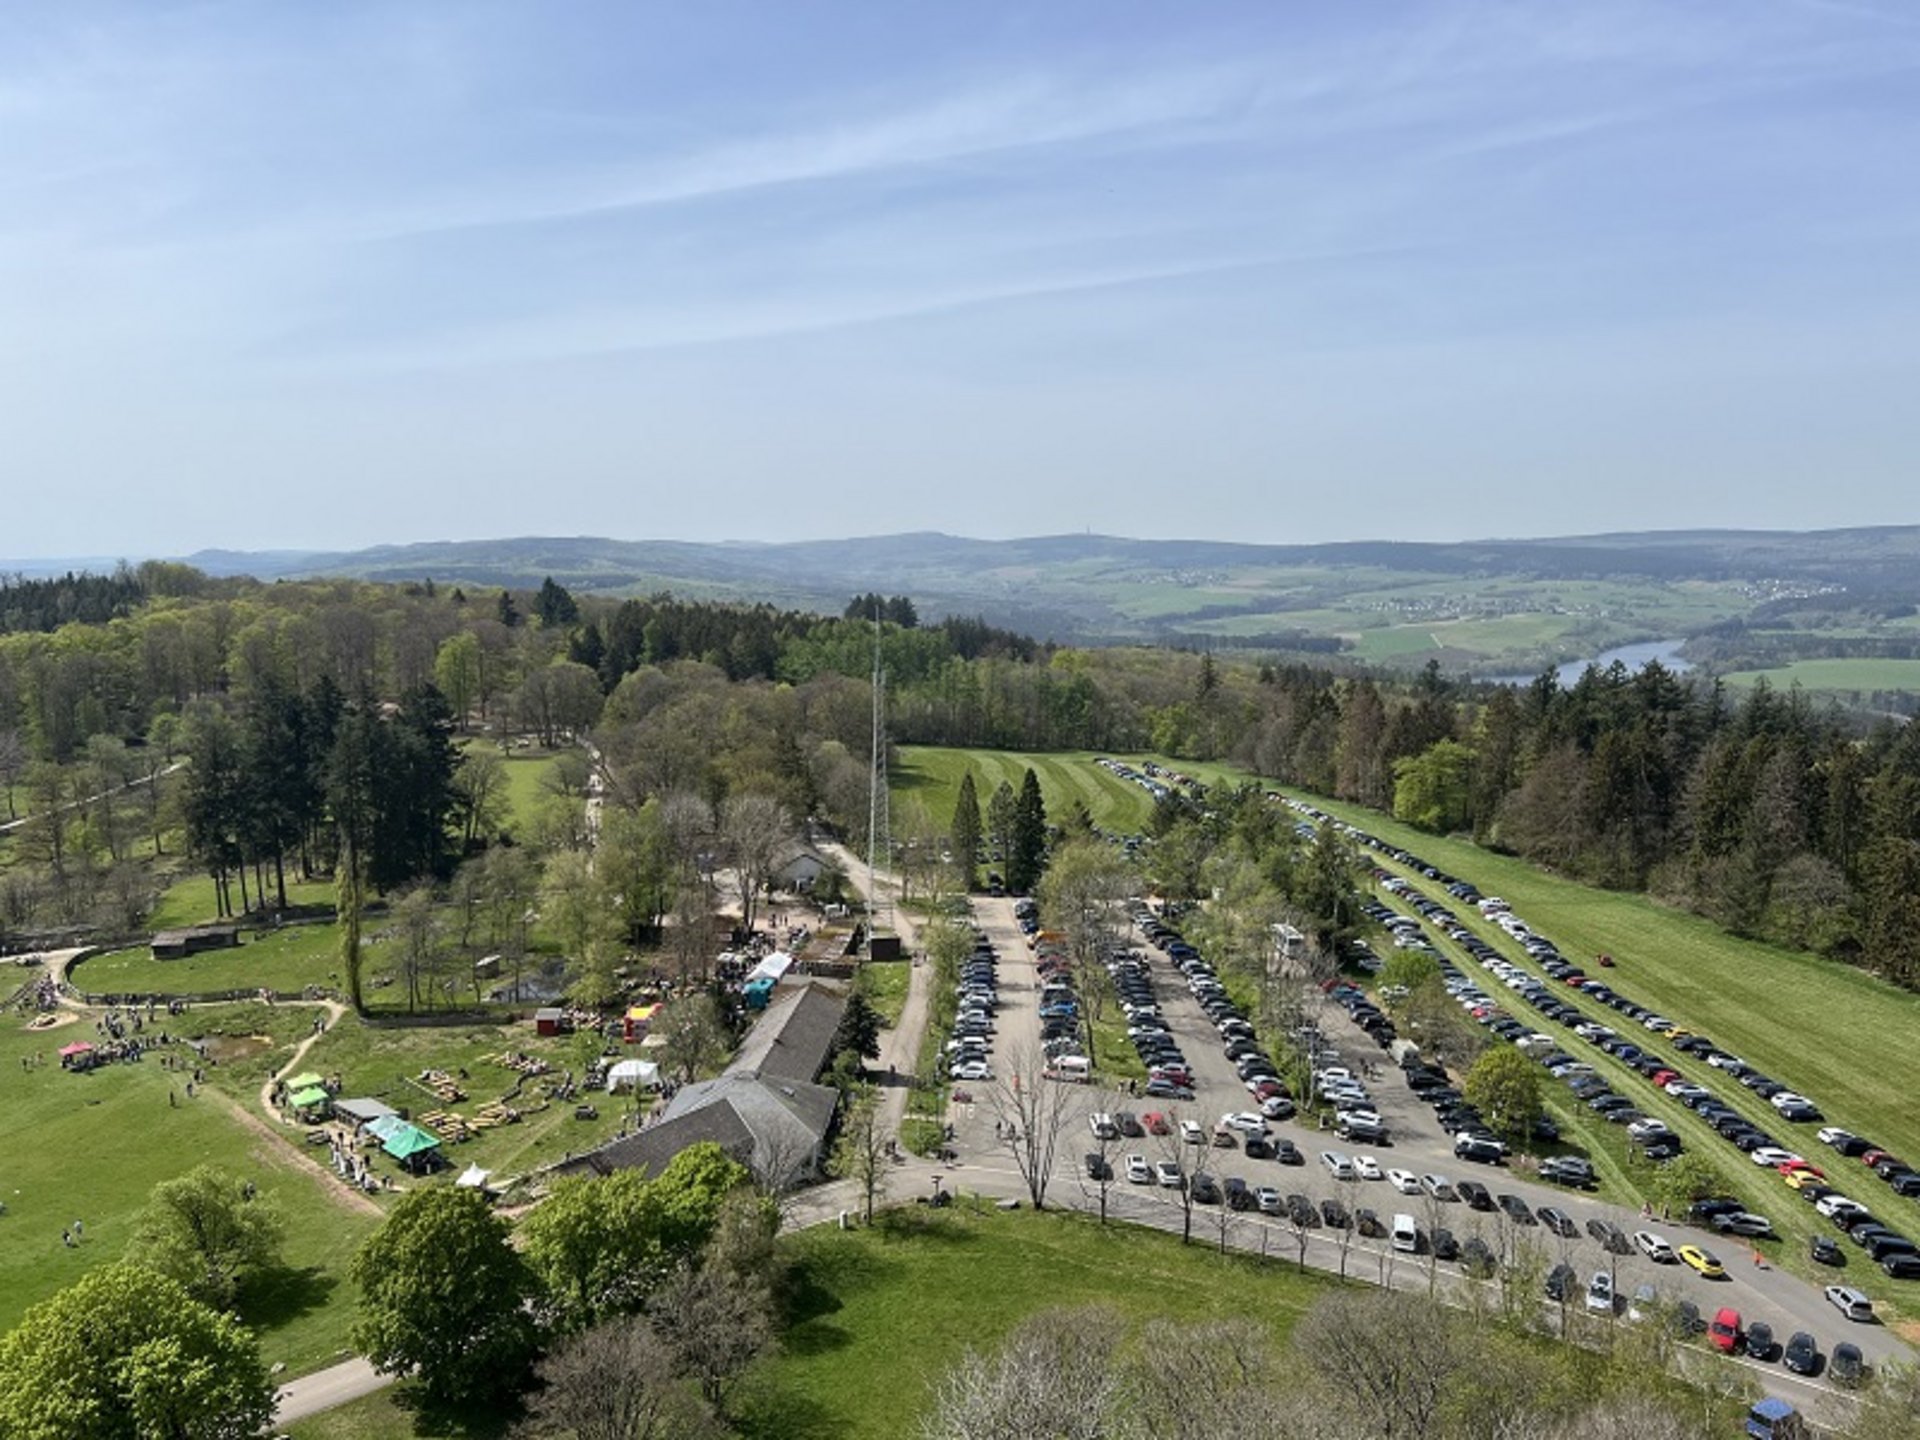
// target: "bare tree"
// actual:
[[1032, 1111], [615, 1382], [1106, 1149], [1301, 1224], [862, 1154], [1054, 1376], [718, 1322], [757, 833], [693, 1037], [1173, 1148], [1387, 1358]]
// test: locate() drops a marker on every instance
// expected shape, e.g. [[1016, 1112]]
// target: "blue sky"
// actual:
[[322, 276]]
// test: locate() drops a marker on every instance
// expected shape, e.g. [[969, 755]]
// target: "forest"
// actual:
[[1777, 817]]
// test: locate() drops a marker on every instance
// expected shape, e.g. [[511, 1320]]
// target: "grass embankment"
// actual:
[[91, 1147], [931, 775], [875, 1316], [885, 984]]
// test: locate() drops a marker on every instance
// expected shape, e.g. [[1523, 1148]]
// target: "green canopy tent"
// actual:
[[414, 1148], [312, 1098], [307, 1081]]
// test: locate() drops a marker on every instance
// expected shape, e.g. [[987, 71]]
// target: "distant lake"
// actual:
[[1635, 657]]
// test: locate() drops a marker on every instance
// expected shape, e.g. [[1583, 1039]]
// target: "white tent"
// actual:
[[633, 1075], [773, 967], [473, 1178]]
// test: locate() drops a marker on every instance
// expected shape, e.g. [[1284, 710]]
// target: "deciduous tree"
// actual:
[[208, 1231]]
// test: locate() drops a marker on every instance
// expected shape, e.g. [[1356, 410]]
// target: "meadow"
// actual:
[[930, 775], [1860, 676], [90, 1147], [876, 1315]]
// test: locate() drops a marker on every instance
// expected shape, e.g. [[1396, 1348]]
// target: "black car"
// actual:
[[1444, 1246], [1902, 1265], [1801, 1356], [1848, 1367], [1368, 1223], [1612, 1238], [1516, 1209], [1260, 1147], [1335, 1214], [1476, 1259], [1128, 1124], [1760, 1342], [1558, 1221], [1204, 1189], [1477, 1196], [1827, 1250], [1097, 1167], [1286, 1152], [1561, 1282], [1239, 1197], [1300, 1210]]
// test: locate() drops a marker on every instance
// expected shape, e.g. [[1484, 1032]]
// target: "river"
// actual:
[[1635, 657]]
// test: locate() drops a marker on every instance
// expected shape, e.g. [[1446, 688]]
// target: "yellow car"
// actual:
[[1701, 1260], [1797, 1178]]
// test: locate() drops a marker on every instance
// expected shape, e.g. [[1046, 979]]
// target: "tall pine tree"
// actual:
[[1027, 859], [965, 835]]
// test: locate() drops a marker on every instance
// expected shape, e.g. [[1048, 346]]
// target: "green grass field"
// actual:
[[931, 775], [876, 1315], [91, 1147], [880, 1313], [1854, 675], [885, 984], [286, 960]]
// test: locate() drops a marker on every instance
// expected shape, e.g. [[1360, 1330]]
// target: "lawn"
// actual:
[[876, 1315], [1863, 675], [885, 984], [91, 1147], [286, 960], [931, 775], [879, 1314], [527, 790]]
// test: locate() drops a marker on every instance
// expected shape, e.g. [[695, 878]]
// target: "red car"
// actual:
[[1801, 1167], [1576, 978], [1724, 1332], [1661, 1077], [1874, 1157]]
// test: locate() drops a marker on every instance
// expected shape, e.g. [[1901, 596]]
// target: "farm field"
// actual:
[[931, 775], [91, 1147], [1852, 675]]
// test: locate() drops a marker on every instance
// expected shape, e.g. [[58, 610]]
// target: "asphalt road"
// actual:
[[1783, 1300]]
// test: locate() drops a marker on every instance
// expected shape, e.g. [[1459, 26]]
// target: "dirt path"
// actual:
[[334, 1011], [293, 1157]]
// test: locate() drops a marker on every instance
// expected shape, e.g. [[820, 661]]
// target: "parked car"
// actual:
[[1723, 1332], [1847, 1367], [1801, 1356], [1138, 1170], [1760, 1344], [1600, 1296], [1849, 1302], [1699, 1258], [1656, 1247]]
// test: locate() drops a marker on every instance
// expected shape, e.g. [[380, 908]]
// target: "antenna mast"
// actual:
[[879, 808]]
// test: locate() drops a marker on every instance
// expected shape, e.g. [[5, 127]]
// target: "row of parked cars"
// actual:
[[969, 1047]]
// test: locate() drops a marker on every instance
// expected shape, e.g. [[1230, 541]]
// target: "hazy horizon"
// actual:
[[320, 279]]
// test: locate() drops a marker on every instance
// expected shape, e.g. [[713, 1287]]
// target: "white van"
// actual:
[[1075, 1069], [1406, 1235]]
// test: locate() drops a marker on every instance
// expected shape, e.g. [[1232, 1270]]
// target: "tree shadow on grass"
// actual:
[[283, 1293], [480, 1420]]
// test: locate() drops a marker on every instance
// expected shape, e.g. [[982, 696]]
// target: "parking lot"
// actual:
[[1417, 1146]]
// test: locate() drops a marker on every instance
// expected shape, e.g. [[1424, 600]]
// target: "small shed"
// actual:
[[178, 944], [886, 947], [361, 1113], [550, 1020], [633, 1028]]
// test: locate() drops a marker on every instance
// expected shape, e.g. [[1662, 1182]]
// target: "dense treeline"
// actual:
[[69, 599], [1775, 817]]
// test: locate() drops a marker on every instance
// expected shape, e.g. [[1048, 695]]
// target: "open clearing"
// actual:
[[876, 1315], [91, 1147], [931, 775], [1864, 676]]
